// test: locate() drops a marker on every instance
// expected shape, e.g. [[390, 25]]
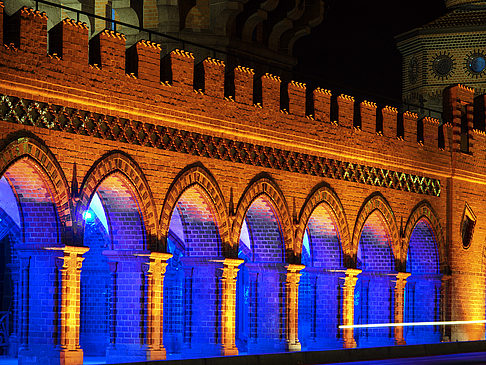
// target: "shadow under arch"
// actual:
[[377, 202], [324, 194], [119, 163], [262, 184], [196, 175], [424, 210]]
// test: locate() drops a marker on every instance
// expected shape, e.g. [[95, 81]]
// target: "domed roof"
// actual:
[[460, 3]]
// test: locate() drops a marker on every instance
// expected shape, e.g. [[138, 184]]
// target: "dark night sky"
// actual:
[[353, 50]]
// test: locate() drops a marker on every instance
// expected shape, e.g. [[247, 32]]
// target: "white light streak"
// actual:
[[410, 324]]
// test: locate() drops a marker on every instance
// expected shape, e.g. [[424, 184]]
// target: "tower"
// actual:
[[448, 50]]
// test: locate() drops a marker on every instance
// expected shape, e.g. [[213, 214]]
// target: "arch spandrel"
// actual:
[[266, 187], [44, 161], [425, 210], [376, 202], [324, 195], [197, 176], [120, 163]]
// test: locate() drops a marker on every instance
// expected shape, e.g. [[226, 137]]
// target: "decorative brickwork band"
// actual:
[[228, 306], [155, 304], [71, 353], [292, 306], [350, 281], [399, 293], [54, 117]]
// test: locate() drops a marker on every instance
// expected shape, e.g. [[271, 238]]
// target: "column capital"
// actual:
[[403, 276], [294, 268], [353, 272]]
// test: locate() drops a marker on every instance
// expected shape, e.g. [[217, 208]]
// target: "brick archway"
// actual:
[[265, 186], [44, 161], [376, 202], [425, 210], [197, 176], [119, 163], [324, 195]]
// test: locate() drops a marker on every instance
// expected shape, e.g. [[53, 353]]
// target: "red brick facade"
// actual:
[[159, 143]]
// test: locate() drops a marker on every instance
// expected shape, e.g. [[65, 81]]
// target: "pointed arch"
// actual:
[[197, 176], [44, 161], [425, 210], [113, 163], [376, 202], [267, 187], [324, 195]]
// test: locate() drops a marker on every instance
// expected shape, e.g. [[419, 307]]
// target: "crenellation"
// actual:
[[69, 40], [270, 92], [322, 104], [178, 69], [345, 111], [210, 73], [297, 98], [431, 132], [28, 31], [243, 84], [390, 121], [410, 126], [368, 116], [107, 50], [143, 61]]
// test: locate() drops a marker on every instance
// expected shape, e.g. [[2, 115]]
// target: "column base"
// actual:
[[229, 351], [71, 357], [349, 343], [294, 346], [400, 341], [159, 354]]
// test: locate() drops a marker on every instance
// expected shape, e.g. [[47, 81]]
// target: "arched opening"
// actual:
[[422, 292], [112, 280], [192, 286], [260, 289], [319, 289], [29, 224], [373, 298]]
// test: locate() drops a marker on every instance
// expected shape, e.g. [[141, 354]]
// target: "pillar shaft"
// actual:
[[71, 353], [399, 292], [228, 306], [292, 306], [348, 306], [155, 305]]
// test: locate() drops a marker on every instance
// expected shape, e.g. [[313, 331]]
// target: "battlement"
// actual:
[[68, 50]]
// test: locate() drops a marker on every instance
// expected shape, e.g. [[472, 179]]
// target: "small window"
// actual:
[[467, 226]]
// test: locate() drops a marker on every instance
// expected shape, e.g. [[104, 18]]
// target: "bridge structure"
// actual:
[[153, 208]]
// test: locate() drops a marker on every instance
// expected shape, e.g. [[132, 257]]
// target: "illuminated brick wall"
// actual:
[[142, 144], [374, 290], [192, 282], [259, 285], [422, 294], [319, 289], [95, 290]]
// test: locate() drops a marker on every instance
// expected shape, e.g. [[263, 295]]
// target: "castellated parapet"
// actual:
[[144, 131], [138, 74]]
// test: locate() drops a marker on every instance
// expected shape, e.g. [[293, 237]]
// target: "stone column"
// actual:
[[292, 306], [348, 306], [155, 305], [71, 353], [400, 283], [228, 306]]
